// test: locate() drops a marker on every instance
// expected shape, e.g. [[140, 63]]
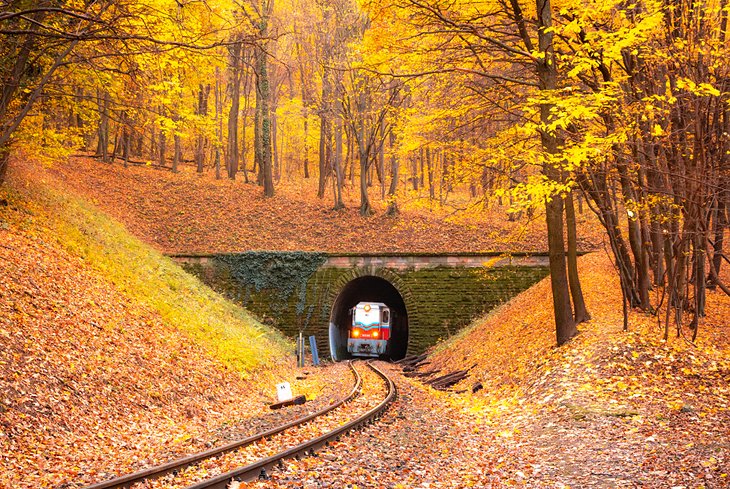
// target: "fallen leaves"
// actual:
[[625, 408], [190, 213], [94, 384]]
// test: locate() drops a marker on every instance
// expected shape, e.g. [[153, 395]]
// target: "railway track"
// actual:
[[260, 466]]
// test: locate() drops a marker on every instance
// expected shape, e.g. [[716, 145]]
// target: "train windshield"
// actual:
[[366, 315]]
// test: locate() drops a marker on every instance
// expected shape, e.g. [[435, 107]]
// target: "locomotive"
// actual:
[[370, 331]]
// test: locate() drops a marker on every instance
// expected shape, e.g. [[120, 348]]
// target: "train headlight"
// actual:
[[375, 333], [367, 307], [355, 333]]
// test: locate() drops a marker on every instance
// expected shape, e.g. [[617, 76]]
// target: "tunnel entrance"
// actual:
[[371, 289]]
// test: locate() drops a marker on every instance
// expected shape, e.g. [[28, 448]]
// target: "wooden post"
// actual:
[[300, 351]]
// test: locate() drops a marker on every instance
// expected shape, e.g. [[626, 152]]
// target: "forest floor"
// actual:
[[91, 383], [191, 213]]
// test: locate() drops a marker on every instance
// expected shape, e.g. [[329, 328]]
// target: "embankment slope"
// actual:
[[111, 357], [610, 408]]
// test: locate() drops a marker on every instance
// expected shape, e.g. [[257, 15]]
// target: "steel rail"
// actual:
[[256, 469], [128, 480]]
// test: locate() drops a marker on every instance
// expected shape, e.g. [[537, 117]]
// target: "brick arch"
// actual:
[[345, 279], [385, 274]]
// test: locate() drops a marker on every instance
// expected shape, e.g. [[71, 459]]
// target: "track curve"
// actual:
[[128, 480], [254, 470]]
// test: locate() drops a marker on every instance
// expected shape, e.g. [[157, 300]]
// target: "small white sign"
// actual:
[[283, 392]]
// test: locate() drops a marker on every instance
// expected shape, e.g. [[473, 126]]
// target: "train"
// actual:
[[370, 331]]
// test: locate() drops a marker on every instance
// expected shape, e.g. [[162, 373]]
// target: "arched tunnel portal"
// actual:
[[370, 288]]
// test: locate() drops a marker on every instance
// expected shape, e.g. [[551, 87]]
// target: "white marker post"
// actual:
[[283, 392]]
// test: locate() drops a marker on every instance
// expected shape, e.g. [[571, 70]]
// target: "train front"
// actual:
[[370, 330]]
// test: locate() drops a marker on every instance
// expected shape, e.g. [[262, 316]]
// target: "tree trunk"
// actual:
[[219, 123], [306, 144], [635, 241], [564, 323], [429, 169], [263, 89], [163, 148], [365, 208], [324, 165], [351, 157], [719, 224], [392, 209], [414, 172], [257, 146], [364, 156], [305, 102], [126, 137], [244, 146], [381, 161], [394, 167], [547, 73], [421, 165], [177, 144], [337, 164], [202, 142], [275, 149], [324, 131], [102, 149], [580, 311], [235, 74]]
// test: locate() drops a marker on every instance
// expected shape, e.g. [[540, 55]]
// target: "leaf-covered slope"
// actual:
[[191, 213], [627, 404], [109, 353], [513, 348]]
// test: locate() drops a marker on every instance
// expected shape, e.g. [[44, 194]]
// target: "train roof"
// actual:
[[363, 303]]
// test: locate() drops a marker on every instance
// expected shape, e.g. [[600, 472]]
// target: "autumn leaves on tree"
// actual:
[[628, 105], [625, 107]]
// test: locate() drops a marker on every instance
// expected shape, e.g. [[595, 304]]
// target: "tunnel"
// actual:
[[371, 289]]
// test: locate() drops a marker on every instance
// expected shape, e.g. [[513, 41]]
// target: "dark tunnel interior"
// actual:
[[371, 289]]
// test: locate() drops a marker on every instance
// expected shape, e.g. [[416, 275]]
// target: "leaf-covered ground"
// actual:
[[100, 374], [609, 409], [95, 382], [191, 213]]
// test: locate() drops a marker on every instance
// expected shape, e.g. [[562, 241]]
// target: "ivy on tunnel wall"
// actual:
[[284, 273]]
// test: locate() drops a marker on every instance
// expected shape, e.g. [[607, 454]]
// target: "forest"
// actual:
[[622, 106], [142, 138]]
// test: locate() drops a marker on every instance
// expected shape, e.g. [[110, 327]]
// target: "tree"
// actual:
[[659, 105], [57, 44], [31, 33], [481, 44], [263, 94], [235, 79]]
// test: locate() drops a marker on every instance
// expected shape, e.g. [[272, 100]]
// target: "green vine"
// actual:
[[280, 271]]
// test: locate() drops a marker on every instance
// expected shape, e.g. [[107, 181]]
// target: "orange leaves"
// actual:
[[92, 383], [187, 213], [606, 391]]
